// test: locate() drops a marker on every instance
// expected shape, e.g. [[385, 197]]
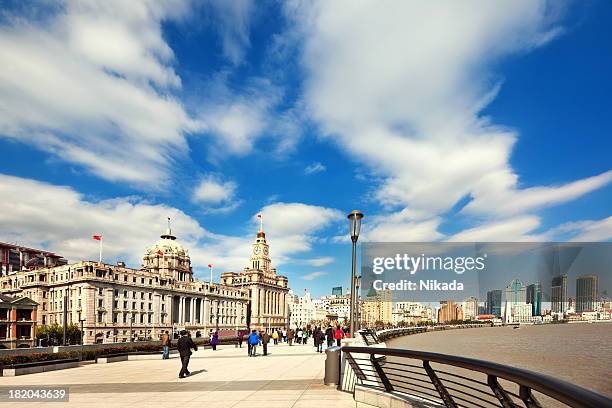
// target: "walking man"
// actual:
[[184, 346], [253, 342], [265, 338], [329, 334], [214, 341], [290, 336]]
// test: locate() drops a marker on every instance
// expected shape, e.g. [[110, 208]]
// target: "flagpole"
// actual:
[[100, 250], [261, 222]]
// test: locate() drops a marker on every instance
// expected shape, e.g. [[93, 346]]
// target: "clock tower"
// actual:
[[260, 256], [268, 307]]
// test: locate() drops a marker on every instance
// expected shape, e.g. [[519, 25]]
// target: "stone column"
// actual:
[[181, 306]]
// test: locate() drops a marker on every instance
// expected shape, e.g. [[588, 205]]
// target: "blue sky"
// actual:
[[488, 123]]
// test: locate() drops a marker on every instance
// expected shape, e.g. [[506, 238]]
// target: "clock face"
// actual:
[[257, 250], [265, 250]]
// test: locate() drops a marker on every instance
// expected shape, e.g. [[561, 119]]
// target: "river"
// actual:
[[580, 353]]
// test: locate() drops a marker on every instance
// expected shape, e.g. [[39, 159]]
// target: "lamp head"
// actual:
[[355, 217]]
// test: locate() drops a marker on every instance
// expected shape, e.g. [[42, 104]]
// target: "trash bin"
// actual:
[[332, 366]]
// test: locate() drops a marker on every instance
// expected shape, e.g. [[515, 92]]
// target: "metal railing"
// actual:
[[452, 381]]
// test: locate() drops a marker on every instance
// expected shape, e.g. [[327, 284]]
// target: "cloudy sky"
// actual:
[[471, 121]]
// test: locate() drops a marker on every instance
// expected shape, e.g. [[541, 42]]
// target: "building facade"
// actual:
[[410, 313], [377, 308], [338, 307], [586, 294], [494, 302], [17, 322], [117, 304], [267, 291], [15, 258], [516, 292], [534, 298], [304, 311], [470, 308], [558, 294], [449, 311]]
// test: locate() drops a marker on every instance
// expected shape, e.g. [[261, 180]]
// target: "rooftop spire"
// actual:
[[168, 233]]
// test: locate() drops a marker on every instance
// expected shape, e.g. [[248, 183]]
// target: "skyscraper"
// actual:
[[494, 298], [586, 293], [449, 312], [534, 297], [516, 292], [558, 294]]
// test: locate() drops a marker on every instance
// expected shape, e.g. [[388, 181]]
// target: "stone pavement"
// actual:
[[287, 377]]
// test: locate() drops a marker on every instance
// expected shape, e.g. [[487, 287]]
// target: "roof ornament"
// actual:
[[168, 233]]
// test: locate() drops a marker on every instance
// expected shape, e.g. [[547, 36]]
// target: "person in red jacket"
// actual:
[[338, 335]]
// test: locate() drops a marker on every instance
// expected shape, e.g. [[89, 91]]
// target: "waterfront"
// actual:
[[579, 353]]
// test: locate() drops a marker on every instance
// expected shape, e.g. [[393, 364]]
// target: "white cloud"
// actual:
[[213, 190], [584, 231], [405, 98], [62, 220], [313, 275], [233, 20], [321, 261], [507, 199], [516, 229], [314, 168], [292, 228], [93, 85]]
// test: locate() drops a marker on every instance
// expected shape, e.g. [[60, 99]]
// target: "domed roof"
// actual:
[[168, 245]]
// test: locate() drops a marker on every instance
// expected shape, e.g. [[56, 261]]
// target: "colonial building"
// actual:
[[338, 307], [17, 322], [304, 311], [15, 258], [268, 292], [116, 303], [377, 308]]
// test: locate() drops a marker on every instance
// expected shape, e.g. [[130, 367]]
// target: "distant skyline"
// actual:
[[489, 123]]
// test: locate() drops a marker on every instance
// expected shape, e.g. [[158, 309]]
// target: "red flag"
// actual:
[[160, 253], [258, 215], [210, 265], [97, 237]]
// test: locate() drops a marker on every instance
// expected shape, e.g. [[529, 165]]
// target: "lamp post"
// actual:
[[82, 335], [354, 217]]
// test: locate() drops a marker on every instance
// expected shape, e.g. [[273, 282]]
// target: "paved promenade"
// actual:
[[287, 377]]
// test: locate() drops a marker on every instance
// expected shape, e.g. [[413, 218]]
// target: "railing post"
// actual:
[[500, 393], [446, 397], [381, 373], [528, 399]]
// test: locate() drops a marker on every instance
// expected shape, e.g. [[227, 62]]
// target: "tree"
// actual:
[[53, 335]]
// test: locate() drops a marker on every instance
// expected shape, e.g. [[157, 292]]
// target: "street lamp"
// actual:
[[82, 335], [354, 217]]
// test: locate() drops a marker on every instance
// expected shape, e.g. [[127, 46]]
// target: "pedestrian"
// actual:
[[240, 334], [184, 346], [275, 337], [165, 342], [305, 336], [285, 335], [329, 334], [265, 339], [298, 336], [321, 340], [316, 338], [214, 340], [338, 335], [253, 342], [290, 336]]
